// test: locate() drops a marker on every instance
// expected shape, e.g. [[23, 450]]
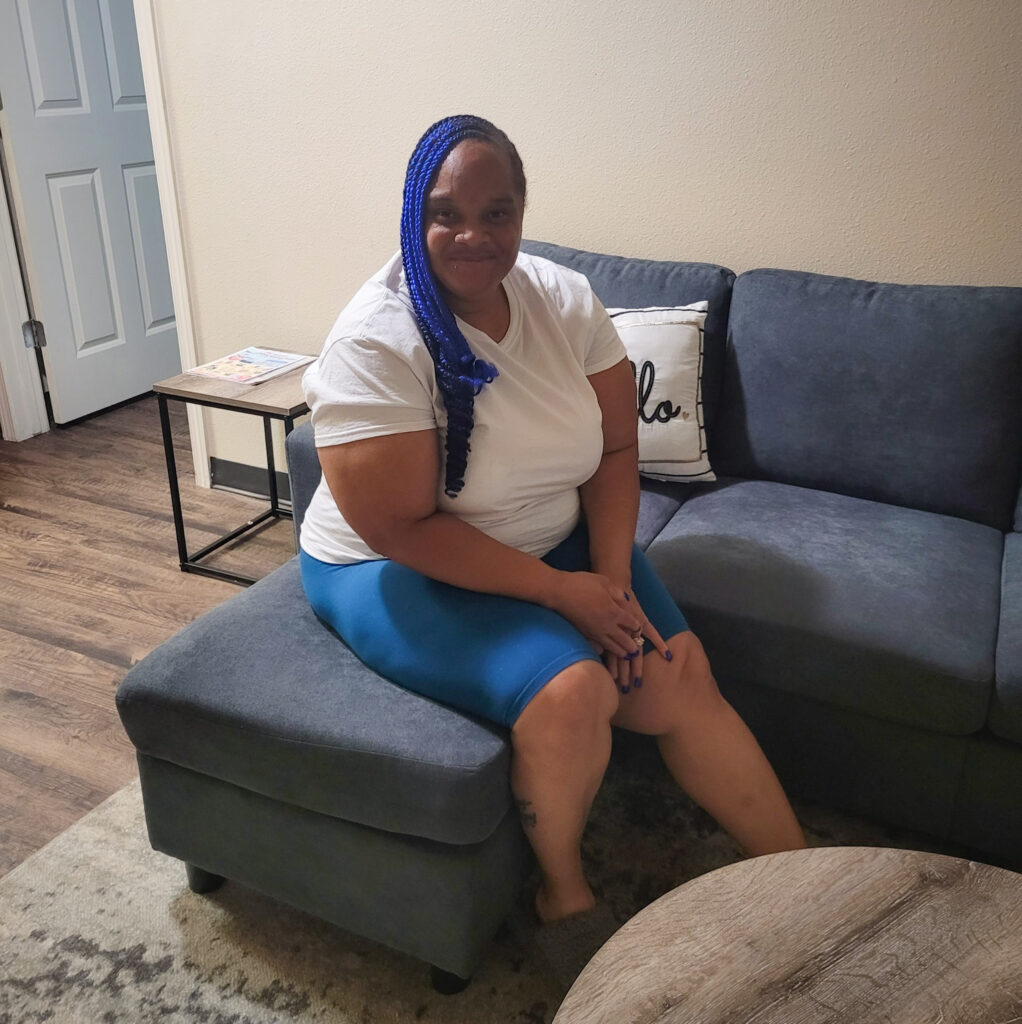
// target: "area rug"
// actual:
[[97, 928]]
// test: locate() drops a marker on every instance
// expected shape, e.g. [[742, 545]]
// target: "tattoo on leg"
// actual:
[[528, 817]]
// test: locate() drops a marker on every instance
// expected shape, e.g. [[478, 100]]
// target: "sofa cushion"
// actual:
[[873, 608], [907, 394], [1006, 709], [658, 501], [259, 693], [633, 283]]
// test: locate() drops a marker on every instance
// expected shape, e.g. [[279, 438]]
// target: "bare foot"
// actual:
[[553, 904]]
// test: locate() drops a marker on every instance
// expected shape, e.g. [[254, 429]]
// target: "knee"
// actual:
[[576, 701], [694, 677]]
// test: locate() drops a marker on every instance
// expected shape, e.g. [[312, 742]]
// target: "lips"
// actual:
[[472, 258]]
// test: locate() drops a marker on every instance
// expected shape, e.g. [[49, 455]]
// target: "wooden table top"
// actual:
[[278, 396], [839, 934]]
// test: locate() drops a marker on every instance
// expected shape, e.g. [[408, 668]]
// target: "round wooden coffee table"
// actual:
[[838, 934]]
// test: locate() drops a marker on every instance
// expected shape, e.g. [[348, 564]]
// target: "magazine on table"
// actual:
[[251, 365]]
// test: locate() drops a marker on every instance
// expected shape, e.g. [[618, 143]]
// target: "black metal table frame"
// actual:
[[190, 563]]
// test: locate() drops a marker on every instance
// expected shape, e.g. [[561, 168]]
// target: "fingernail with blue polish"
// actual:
[[625, 689], [669, 656], [627, 598], [637, 682]]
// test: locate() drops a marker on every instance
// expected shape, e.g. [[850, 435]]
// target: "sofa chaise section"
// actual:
[[855, 574]]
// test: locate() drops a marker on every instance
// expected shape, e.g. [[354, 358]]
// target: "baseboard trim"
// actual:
[[252, 480]]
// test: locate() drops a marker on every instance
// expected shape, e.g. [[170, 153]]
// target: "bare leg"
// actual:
[[561, 745], [709, 750]]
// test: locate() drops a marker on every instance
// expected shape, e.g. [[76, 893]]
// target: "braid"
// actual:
[[460, 375]]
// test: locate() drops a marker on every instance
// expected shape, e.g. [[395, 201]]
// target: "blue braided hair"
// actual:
[[460, 375]]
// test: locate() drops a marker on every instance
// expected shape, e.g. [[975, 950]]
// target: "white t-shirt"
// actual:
[[538, 427]]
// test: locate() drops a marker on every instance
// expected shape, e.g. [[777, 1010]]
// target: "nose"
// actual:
[[473, 232]]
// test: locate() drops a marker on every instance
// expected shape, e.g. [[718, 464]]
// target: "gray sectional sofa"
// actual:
[[855, 574]]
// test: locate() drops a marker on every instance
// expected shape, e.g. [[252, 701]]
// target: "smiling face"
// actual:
[[473, 226]]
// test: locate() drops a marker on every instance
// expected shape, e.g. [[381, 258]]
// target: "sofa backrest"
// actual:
[[633, 283], [908, 394]]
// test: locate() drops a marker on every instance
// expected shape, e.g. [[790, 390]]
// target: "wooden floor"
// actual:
[[90, 584]]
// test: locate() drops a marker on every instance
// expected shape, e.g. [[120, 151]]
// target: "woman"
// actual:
[[503, 579]]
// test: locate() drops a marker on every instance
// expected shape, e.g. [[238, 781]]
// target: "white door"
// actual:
[[76, 136]]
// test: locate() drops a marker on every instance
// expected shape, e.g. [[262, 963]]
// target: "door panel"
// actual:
[[121, 43], [76, 133], [52, 50], [149, 246], [86, 258]]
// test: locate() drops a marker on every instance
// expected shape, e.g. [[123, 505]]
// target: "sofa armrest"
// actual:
[[303, 471]]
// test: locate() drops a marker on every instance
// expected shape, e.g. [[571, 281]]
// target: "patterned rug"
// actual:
[[97, 928]]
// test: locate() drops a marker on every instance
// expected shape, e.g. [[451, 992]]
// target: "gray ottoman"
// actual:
[[270, 755]]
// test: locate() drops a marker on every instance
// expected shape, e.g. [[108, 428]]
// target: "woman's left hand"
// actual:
[[627, 672]]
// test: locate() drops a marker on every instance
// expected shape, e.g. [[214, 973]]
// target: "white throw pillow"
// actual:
[[665, 347]]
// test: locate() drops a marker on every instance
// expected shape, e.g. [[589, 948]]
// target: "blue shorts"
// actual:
[[481, 653]]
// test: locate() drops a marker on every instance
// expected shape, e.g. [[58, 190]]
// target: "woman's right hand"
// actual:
[[599, 609]]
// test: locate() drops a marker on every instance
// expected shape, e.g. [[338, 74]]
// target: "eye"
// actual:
[[500, 214]]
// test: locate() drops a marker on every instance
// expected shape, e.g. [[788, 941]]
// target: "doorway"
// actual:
[[75, 132]]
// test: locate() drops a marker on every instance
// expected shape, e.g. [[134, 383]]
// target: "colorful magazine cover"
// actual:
[[251, 365]]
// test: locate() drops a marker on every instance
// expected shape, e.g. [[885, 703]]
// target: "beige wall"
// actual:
[[874, 139]]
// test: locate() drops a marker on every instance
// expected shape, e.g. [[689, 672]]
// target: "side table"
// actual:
[[279, 398], [832, 934]]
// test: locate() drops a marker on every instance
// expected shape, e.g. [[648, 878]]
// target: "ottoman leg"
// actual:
[[202, 881], [446, 983]]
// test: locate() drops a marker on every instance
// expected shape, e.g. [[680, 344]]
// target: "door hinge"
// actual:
[[33, 333]]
